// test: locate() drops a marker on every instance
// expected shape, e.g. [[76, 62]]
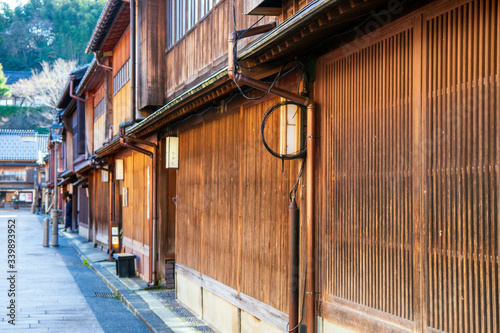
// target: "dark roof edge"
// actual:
[[209, 82], [290, 25], [86, 77], [102, 25], [78, 73]]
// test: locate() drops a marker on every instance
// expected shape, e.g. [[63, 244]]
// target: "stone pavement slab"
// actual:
[[46, 296], [157, 316]]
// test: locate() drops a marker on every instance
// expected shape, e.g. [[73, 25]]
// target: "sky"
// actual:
[[13, 3]]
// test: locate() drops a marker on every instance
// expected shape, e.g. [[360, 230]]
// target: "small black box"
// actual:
[[125, 264]]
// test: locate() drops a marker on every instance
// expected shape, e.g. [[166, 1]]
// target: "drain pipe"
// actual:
[[133, 41], [71, 86], [96, 57], [126, 142], [241, 79], [111, 212], [293, 267]]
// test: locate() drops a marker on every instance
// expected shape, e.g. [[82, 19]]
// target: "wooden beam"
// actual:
[[244, 302]]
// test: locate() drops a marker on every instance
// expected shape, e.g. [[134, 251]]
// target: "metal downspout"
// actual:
[[133, 40], [71, 87], [311, 270], [293, 266], [239, 78], [94, 217], [108, 68], [111, 212]]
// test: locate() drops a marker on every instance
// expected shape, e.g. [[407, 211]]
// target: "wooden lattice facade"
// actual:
[[410, 140]]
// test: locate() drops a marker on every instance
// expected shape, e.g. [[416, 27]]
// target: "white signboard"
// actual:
[[172, 152], [119, 169], [105, 176], [125, 197]]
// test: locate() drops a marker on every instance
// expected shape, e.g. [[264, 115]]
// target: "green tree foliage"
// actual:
[[44, 30], [4, 90]]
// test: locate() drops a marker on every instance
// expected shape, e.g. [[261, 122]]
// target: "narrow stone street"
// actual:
[[50, 287]]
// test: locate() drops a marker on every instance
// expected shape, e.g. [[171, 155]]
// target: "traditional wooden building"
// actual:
[[75, 154], [19, 152], [98, 111], [120, 195], [392, 106]]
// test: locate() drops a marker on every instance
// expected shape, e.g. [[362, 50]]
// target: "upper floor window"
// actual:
[[99, 109], [182, 15], [122, 77], [99, 101]]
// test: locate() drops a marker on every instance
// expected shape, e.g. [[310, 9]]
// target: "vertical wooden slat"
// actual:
[[418, 172], [463, 172], [368, 93], [461, 181], [384, 194], [496, 106], [484, 165], [430, 31], [479, 166], [454, 171], [497, 167], [474, 169]]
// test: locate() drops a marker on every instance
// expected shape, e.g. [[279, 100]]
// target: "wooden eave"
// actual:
[[69, 110], [111, 25], [331, 18], [214, 88], [116, 30], [92, 78], [296, 36], [65, 99]]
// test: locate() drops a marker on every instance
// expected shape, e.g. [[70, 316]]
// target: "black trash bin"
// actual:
[[125, 264]]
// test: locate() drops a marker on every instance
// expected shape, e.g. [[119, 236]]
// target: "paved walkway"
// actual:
[[156, 308], [46, 295], [56, 292]]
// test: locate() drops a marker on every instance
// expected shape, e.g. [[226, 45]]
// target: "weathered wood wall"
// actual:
[[409, 179], [102, 206], [134, 216], [89, 123], [67, 152], [121, 107], [203, 50], [290, 7], [165, 210], [461, 102], [83, 207], [151, 28], [121, 100], [99, 130], [232, 204]]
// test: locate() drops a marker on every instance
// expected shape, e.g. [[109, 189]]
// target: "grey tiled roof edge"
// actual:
[[13, 147]]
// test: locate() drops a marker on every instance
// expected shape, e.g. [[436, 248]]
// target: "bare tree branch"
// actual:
[[47, 85]]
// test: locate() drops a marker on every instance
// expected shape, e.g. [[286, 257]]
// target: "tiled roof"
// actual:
[[21, 145], [14, 76], [108, 15], [64, 99]]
